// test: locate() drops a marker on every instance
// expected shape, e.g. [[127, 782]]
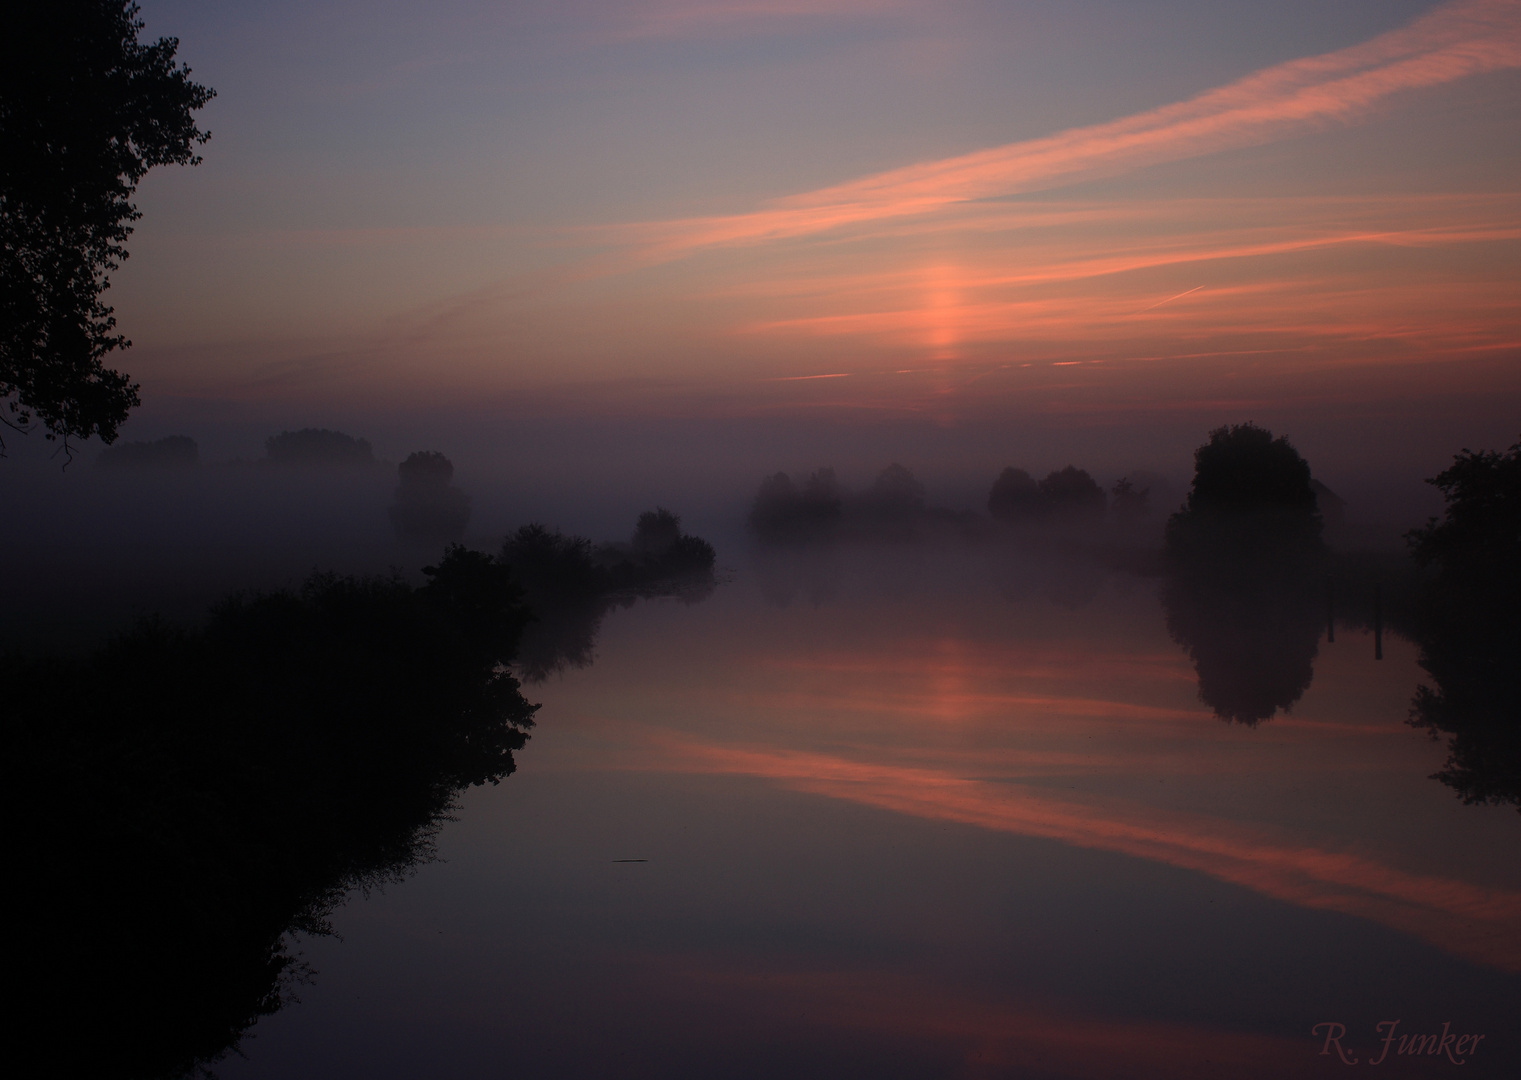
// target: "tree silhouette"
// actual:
[[785, 511], [1129, 502], [318, 446], [655, 532], [572, 585], [896, 495], [188, 799], [428, 508], [1068, 495], [1242, 566], [1467, 626], [85, 111], [1071, 494], [1015, 496], [173, 451]]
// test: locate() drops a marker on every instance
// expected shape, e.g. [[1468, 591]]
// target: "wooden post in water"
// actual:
[[1378, 621], [1330, 612]]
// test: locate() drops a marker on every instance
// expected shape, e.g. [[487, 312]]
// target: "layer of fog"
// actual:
[[89, 548]]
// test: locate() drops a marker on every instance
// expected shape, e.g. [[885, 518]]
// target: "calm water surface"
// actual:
[[898, 814]]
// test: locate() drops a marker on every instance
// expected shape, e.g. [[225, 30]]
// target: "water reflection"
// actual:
[[197, 797], [1245, 569], [914, 823], [1468, 630], [192, 798], [572, 585], [919, 830]]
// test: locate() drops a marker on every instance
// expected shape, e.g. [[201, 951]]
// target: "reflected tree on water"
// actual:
[[191, 799], [572, 584], [1468, 627], [1243, 564]]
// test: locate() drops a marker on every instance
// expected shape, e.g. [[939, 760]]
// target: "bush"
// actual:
[[174, 451], [317, 446], [1467, 627], [189, 798]]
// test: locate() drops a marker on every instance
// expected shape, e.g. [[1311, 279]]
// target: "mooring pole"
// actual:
[[1378, 621]]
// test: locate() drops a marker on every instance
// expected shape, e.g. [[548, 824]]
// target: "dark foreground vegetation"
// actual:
[[1468, 626], [190, 798], [193, 799], [1245, 571], [88, 110], [572, 584]]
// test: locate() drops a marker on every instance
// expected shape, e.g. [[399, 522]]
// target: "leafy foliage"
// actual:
[[1468, 630], [1481, 530], [783, 510], [895, 495], [173, 451], [85, 111], [1068, 494], [572, 585], [1244, 564], [428, 508], [189, 798], [318, 446], [1015, 496], [1251, 492]]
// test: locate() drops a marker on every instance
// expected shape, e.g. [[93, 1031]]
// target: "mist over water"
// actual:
[[820, 539], [141, 537], [857, 673]]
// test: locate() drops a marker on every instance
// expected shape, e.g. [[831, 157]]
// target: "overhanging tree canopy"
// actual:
[[85, 111]]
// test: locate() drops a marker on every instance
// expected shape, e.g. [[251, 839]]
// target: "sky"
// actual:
[[1135, 220]]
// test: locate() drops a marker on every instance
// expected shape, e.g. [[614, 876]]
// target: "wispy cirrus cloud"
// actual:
[[1459, 39], [681, 18], [1154, 278]]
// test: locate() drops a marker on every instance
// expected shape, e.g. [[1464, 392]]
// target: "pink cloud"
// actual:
[[1459, 39]]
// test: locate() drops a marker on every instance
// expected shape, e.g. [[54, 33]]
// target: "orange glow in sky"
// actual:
[[1346, 199]]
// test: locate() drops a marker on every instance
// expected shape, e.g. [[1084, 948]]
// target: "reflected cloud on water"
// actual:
[[204, 801]]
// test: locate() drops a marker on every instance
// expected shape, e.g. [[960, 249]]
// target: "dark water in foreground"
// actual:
[[906, 814]]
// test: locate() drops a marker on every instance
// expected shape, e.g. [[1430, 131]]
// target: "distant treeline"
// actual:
[[427, 508], [817, 506], [309, 447]]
